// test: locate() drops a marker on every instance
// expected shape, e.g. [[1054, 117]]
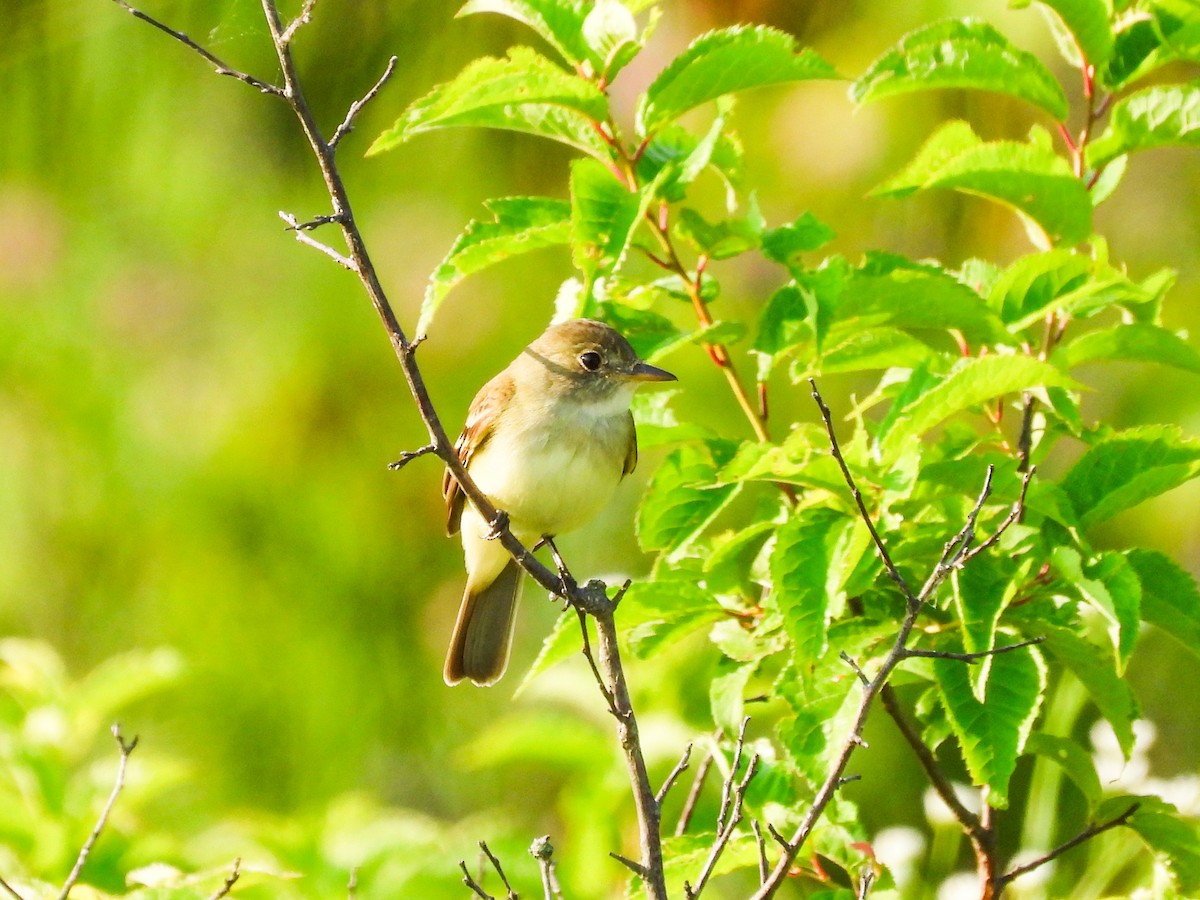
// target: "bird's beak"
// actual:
[[643, 371]]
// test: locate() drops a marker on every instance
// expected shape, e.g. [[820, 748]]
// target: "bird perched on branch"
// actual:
[[547, 441]]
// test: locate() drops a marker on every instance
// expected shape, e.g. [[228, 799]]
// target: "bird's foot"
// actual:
[[497, 526]]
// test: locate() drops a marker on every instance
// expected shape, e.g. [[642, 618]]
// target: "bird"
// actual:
[[547, 441]]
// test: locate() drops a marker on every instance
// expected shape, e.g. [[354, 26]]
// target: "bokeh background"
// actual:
[[196, 414]]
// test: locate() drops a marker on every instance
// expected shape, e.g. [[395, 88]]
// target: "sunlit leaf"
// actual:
[[785, 243], [1128, 467], [720, 240], [992, 734], [1111, 586], [805, 576], [1162, 116], [727, 695], [1170, 597], [1134, 342], [1096, 669], [604, 214], [971, 382], [724, 62], [1174, 841], [518, 225], [961, 53], [1087, 21], [1073, 760], [682, 498], [559, 22], [1029, 177], [522, 92]]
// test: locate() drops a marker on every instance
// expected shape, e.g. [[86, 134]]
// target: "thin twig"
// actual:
[[689, 805], [637, 868], [543, 851], [10, 890], [302, 235], [1014, 515], [849, 660], [1086, 835], [472, 883], [512, 895], [352, 884], [296, 23], [764, 867], [680, 768], [357, 106], [970, 657], [409, 455], [220, 67], [125, 750], [230, 881], [591, 660]]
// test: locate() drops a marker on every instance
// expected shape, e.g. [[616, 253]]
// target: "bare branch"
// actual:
[[302, 235], [10, 890], [409, 455], [680, 768], [1086, 835], [543, 851], [125, 748], [357, 106], [849, 660], [220, 67], [512, 895], [230, 881], [689, 805], [956, 548], [1014, 515], [764, 867], [591, 660], [970, 657], [472, 883], [298, 22], [880, 547], [352, 884]]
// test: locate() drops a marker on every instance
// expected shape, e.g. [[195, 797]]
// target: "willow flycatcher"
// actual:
[[547, 441]]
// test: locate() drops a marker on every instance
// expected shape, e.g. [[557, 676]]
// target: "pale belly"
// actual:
[[548, 487]]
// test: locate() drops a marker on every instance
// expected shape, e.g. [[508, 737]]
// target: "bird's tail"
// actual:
[[483, 633]]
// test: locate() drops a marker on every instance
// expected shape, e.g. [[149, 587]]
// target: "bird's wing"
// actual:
[[481, 419], [631, 456]]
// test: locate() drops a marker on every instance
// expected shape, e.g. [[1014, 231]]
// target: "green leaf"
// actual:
[[677, 157], [657, 423], [854, 349], [604, 214], [964, 53], [981, 592], [785, 243], [655, 613], [682, 498], [524, 92], [1111, 586], [1170, 598], [1165, 116], [1127, 467], [563, 642], [805, 571], [727, 695], [971, 382], [724, 239], [559, 22], [1028, 177], [1133, 341], [1075, 762], [724, 62], [1096, 669], [518, 225], [992, 734], [1174, 841], [1087, 21]]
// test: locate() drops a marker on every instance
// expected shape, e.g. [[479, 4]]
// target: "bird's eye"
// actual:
[[590, 360]]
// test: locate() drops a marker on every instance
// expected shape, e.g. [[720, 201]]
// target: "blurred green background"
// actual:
[[196, 414]]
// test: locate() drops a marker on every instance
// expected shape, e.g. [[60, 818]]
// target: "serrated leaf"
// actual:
[[854, 349], [1073, 760], [785, 243], [1088, 23], [981, 592], [1134, 342], [604, 214], [1165, 116], [720, 240], [657, 423], [971, 382], [655, 613], [681, 156], [1174, 841], [523, 92], [682, 498], [1128, 467], [559, 22], [1111, 586], [992, 734], [805, 575], [1170, 597], [1096, 669], [1028, 177], [725, 62], [518, 225], [961, 53]]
